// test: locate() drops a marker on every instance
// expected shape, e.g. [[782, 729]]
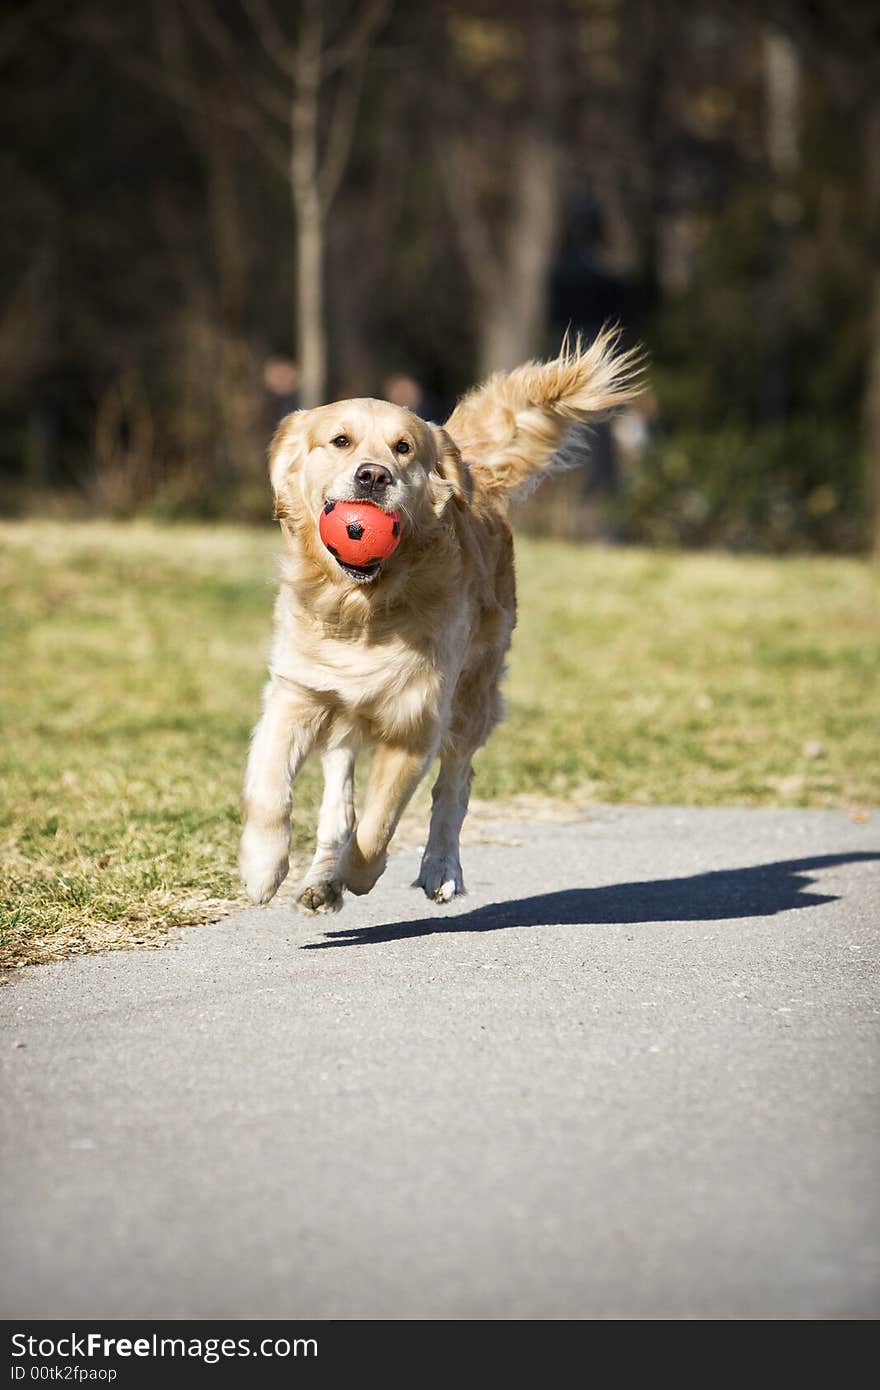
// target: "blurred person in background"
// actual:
[[403, 390], [280, 392]]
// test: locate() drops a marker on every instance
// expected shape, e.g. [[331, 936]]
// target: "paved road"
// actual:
[[634, 1074]]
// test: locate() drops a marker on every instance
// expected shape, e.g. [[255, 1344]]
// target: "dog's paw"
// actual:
[[363, 880], [263, 862], [360, 875], [320, 897], [440, 878]]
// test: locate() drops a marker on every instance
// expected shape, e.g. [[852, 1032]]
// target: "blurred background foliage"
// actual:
[[215, 210]]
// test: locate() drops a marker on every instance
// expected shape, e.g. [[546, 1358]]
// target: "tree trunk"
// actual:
[[516, 310], [510, 266], [782, 83], [871, 401], [309, 334], [871, 417], [224, 207], [310, 338]]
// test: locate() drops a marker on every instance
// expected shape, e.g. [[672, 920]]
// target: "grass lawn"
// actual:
[[132, 656]]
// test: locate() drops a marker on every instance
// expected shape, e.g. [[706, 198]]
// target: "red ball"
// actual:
[[358, 533]]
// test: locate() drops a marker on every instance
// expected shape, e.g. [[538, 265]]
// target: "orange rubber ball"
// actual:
[[359, 533]]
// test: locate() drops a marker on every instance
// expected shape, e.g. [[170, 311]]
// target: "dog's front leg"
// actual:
[[280, 744], [394, 776]]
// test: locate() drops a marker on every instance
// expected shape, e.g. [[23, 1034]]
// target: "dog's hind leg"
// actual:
[[440, 875], [477, 708], [321, 889], [394, 776]]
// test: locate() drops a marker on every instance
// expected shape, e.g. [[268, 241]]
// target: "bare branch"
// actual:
[[235, 114], [839, 41], [305, 106], [307, 61], [359, 35], [274, 100], [273, 147], [273, 40], [15, 28], [471, 227], [341, 133], [173, 79]]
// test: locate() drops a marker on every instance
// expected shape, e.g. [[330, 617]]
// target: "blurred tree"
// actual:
[[842, 44], [293, 90], [499, 95], [316, 69], [466, 178]]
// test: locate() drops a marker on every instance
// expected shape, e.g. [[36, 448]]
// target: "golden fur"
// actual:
[[409, 663]]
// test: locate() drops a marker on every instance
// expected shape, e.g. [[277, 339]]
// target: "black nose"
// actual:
[[373, 478]]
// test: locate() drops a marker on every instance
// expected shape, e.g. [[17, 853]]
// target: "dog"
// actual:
[[405, 657]]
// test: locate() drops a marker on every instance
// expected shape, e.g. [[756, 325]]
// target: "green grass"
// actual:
[[131, 660]]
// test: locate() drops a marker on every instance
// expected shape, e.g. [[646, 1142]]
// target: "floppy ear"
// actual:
[[286, 453], [452, 468]]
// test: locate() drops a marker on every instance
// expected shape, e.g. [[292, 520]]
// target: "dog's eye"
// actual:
[[341, 441], [401, 447]]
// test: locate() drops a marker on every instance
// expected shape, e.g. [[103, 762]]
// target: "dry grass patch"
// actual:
[[131, 660]]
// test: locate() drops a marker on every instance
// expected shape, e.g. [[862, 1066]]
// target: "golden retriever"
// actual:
[[405, 657]]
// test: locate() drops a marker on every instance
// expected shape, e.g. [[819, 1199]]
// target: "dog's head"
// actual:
[[364, 450]]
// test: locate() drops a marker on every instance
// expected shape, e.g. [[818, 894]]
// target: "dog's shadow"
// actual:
[[759, 891]]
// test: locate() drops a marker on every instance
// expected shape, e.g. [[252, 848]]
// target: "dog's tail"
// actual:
[[509, 428]]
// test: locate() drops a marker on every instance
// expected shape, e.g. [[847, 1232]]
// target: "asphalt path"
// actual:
[[633, 1074]]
